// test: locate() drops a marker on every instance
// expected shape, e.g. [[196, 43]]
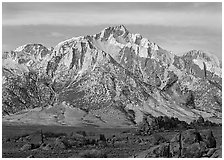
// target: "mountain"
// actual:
[[112, 78]]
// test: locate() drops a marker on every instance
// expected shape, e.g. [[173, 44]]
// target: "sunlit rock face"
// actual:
[[118, 72], [22, 70]]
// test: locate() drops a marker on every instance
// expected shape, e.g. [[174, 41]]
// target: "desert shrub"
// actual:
[[144, 127], [83, 133], [161, 123], [156, 139], [34, 146], [93, 153], [53, 135], [200, 122], [20, 136], [102, 137], [92, 142], [91, 134], [170, 123], [67, 143], [62, 143]]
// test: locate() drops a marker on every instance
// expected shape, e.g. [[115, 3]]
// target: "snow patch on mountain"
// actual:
[[60, 47], [20, 48], [209, 66]]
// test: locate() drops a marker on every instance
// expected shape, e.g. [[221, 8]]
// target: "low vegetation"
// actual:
[[102, 143], [162, 123], [93, 153]]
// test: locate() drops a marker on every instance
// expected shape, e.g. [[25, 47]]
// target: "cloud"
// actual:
[[109, 7], [129, 17], [56, 34], [175, 39], [88, 14], [178, 27]]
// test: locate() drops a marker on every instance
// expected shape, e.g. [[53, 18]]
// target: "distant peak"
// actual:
[[24, 52], [118, 31], [23, 47], [204, 55], [121, 27], [118, 27]]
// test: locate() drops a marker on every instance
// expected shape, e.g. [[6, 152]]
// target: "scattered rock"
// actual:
[[175, 146], [26, 147], [208, 138], [30, 156], [161, 150], [156, 139], [93, 153], [210, 152], [64, 142], [195, 150], [189, 137], [59, 143], [188, 143], [6, 140], [46, 147], [102, 143], [217, 153]]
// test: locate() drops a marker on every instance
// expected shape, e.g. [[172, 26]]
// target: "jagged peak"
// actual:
[[115, 31], [121, 28], [24, 52], [117, 28], [67, 41], [21, 48]]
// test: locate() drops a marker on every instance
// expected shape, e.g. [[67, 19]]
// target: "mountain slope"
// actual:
[[125, 74]]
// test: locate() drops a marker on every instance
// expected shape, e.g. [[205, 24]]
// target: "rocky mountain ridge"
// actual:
[[114, 72]]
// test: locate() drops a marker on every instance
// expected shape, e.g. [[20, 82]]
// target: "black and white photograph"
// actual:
[[104, 79]]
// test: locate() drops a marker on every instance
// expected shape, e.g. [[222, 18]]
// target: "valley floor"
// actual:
[[120, 142]]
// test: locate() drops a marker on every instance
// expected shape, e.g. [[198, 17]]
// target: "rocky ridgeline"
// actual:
[[114, 70]]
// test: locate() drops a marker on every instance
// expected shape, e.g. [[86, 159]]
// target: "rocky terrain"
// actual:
[[112, 94], [112, 78], [36, 141]]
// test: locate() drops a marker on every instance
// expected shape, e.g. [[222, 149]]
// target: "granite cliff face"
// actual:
[[114, 76]]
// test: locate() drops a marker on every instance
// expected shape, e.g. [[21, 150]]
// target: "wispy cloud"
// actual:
[[84, 14], [56, 34], [177, 27], [171, 18]]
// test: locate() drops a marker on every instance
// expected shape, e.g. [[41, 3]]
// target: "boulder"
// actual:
[[188, 143], [175, 146], [208, 138], [46, 147], [59, 143], [30, 156], [217, 153], [161, 150], [93, 153], [195, 150], [190, 136], [156, 139], [26, 147], [210, 152]]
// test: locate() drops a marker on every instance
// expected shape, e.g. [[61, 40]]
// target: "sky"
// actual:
[[177, 27]]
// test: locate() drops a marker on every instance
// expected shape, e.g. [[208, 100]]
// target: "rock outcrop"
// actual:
[[186, 144]]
